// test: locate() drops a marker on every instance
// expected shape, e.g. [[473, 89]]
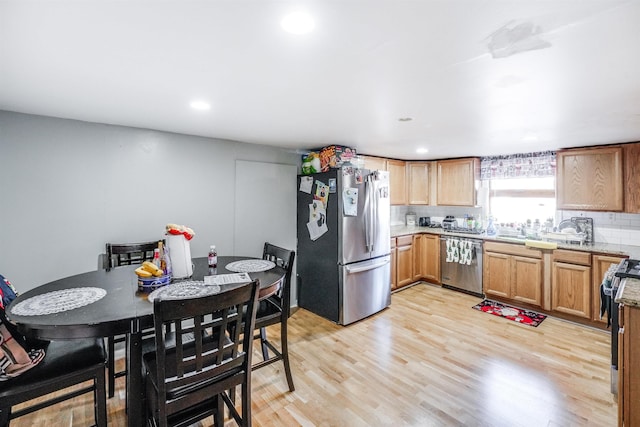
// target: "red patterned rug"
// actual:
[[516, 314]]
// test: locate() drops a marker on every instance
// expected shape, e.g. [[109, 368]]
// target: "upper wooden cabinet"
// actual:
[[590, 179], [397, 176], [456, 181], [632, 177], [397, 181], [419, 182], [375, 163]]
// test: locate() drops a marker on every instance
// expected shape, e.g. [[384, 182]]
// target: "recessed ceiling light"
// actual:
[[298, 23], [422, 150], [200, 105]]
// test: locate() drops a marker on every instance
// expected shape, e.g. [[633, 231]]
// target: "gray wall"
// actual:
[[68, 187]]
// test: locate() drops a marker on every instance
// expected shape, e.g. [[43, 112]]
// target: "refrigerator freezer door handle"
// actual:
[[374, 213], [373, 266]]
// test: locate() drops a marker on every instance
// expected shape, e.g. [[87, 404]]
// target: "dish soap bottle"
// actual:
[[213, 256], [491, 228]]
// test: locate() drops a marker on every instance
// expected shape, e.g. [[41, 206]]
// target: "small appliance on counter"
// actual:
[[424, 221], [449, 222], [411, 219]]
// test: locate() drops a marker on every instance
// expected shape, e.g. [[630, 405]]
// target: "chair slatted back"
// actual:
[[283, 258], [129, 253], [209, 353]]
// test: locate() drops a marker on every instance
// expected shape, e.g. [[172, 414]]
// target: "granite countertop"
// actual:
[[629, 292], [601, 248]]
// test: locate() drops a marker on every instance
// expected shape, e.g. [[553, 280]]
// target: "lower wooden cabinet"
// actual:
[[404, 260], [430, 257], [571, 283], [413, 258], [509, 274]]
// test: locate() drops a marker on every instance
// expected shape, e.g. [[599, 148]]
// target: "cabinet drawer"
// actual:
[[511, 249], [572, 257], [393, 243], [405, 240]]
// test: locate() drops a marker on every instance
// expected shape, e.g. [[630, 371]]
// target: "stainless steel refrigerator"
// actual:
[[344, 274]]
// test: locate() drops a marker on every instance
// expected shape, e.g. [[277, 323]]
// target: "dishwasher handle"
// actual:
[[372, 266]]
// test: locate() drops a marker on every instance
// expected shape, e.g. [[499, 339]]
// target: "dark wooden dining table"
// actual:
[[123, 310]]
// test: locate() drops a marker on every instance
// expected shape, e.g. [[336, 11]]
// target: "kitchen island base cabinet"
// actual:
[[629, 366]]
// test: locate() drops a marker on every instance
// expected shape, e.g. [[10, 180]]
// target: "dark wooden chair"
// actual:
[[118, 254], [129, 253], [187, 377], [276, 309], [66, 364]]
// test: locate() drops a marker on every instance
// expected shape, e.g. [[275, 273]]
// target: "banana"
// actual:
[[141, 272], [152, 268]]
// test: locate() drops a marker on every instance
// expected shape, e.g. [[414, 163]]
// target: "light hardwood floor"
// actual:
[[428, 360]]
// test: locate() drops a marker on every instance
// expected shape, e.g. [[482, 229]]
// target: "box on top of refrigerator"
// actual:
[[333, 156]]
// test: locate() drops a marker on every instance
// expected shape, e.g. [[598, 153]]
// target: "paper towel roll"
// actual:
[[180, 256]]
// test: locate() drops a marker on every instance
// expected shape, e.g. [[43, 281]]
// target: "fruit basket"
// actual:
[[148, 284]]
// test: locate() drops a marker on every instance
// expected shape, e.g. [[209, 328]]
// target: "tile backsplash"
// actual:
[[608, 227], [436, 213]]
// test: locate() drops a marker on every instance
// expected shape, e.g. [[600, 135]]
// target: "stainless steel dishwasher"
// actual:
[[460, 272]]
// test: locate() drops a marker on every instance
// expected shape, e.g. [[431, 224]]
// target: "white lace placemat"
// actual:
[[57, 301], [250, 265], [182, 290]]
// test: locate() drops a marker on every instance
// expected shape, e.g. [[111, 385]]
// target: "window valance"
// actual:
[[528, 165]]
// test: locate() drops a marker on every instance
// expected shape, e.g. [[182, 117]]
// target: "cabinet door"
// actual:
[[590, 179], [571, 289], [632, 177], [397, 182], [456, 182], [600, 265], [375, 163], [418, 174], [404, 265], [497, 274], [526, 280], [418, 255], [431, 257]]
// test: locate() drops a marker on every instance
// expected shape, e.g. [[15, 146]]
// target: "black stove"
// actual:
[[629, 268]]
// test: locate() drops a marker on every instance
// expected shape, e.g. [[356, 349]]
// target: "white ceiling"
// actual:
[[477, 77]]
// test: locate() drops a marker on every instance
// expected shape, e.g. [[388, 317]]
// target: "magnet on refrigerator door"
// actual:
[[350, 201]]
